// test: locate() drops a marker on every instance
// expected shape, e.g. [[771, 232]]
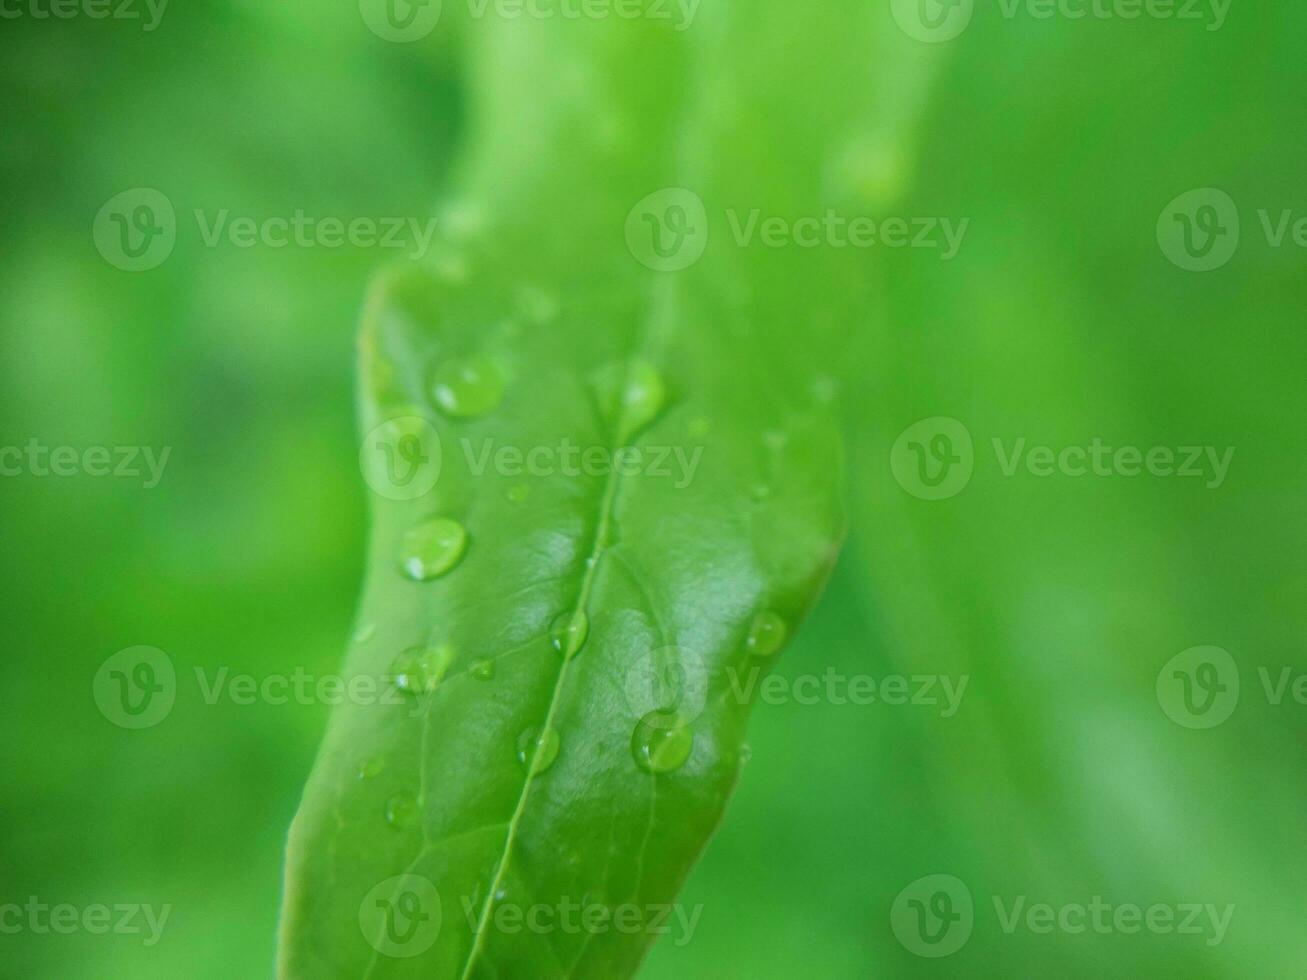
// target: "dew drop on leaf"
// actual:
[[537, 750], [405, 670], [372, 768], [432, 548], [569, 631], [661, 742], [643, 397], [482, 670], [466, 388], [419, 670], [401, 811], [766, 634]]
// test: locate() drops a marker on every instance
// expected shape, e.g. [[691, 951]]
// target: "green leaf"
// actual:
[[561, 632]]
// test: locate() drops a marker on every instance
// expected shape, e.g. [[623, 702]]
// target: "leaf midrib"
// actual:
[[611, 487]]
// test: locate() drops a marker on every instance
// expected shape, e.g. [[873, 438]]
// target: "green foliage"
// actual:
[[1060, 320]]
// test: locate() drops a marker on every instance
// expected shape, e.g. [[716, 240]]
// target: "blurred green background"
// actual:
[[1060, 778]]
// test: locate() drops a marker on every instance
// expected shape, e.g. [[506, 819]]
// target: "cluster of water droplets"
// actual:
[[471, 387]]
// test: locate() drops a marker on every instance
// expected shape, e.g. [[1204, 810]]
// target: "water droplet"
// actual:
[[698, 428], [482, 670], [759, 492], [372, 768], [569, 631], [365, 632], [405, 670], [643, 397], [746, 754], [517, 493], [537, 750], [467, 387], [766, 634], [432, 548], [401, 810], [661, 742], [419, 670]]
